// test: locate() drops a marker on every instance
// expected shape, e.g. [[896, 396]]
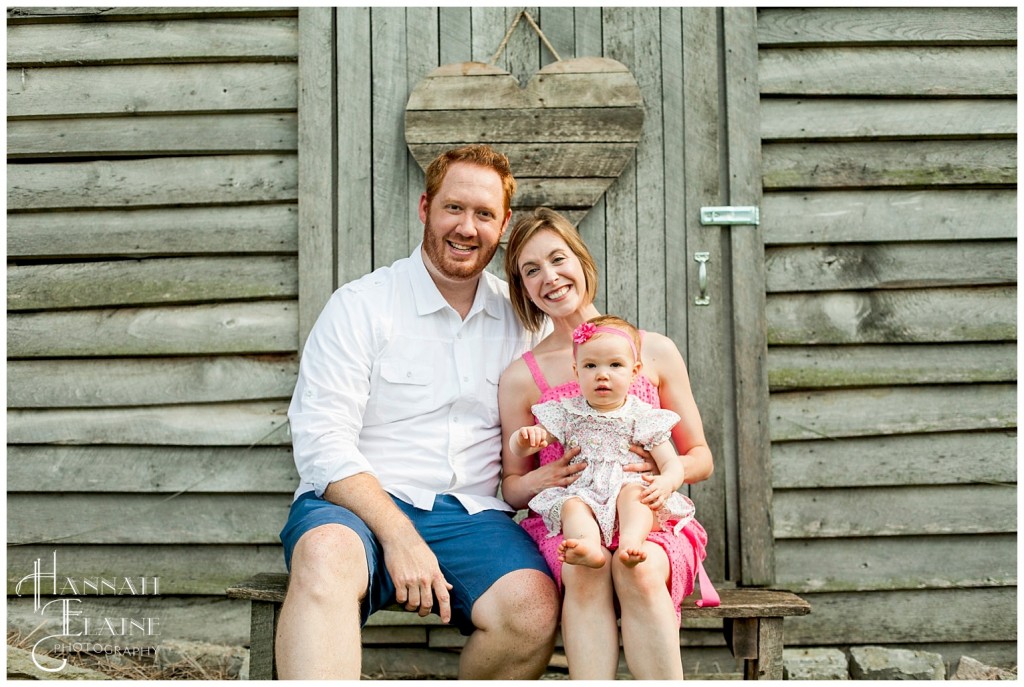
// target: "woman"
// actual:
[[551, 274]]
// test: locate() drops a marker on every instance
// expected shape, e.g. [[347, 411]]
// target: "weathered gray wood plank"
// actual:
[[621, 274], [454, 35], [172, 135], [834, 267], [939, 615], [802, 415], [789, 119], [894, 316], [908, 163], [422, 45], [889, 215], [913, 459], [258, 327], [151, 469], [900, 71], [492, 90], [804, 367], [182, 569], [754, 486], [146, 519], [39, 15], [153, 281], [166, 231], [194, 40], [890, 563], [813, 26], [354, 244], [390, 91], [603, 159], [650, 170], [890, 511], [498, 125], [150, 89], [158, 181], [317, 138], [148, 381], [230, 424]]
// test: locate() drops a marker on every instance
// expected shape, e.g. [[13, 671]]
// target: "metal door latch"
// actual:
[[730, 214], [702, 258]]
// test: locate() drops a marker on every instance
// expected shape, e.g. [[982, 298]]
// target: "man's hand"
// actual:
[[417, 577]]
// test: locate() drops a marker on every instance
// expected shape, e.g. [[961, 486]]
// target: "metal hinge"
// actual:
[[730, 214]]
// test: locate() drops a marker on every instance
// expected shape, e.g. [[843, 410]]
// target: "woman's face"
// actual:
[[552, 275]]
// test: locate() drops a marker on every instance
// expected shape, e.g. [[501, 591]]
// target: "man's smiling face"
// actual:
[[464, 221]]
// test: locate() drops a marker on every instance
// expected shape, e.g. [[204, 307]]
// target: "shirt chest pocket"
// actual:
[[406, 388]]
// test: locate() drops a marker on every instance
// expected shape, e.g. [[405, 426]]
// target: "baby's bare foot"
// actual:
[[632, 556], [580, 552]]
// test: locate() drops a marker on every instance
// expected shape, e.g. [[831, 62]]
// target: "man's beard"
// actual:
[[436, 247]]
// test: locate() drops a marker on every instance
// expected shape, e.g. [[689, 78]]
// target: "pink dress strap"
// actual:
[[538, 376]]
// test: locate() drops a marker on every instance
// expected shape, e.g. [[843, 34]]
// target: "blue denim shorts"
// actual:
[[473, 551]]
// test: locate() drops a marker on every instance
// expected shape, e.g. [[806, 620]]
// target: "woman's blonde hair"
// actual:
[[526, 227]]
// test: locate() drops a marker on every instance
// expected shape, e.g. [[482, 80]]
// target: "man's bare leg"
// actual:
[[516, 621], [318, 632]]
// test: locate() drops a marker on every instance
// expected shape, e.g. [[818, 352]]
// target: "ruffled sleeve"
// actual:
[[654, 427], [552, 415]]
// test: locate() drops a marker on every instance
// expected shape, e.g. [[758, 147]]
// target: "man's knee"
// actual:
[[523, 603], [327, 561]]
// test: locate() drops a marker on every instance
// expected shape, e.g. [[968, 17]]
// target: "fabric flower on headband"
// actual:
[[583, 333]]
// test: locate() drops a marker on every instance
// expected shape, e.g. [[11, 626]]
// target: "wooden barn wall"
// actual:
[[151, 295], [889, 218]]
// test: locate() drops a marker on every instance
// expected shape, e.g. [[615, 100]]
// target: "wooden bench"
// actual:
[[752, 624]]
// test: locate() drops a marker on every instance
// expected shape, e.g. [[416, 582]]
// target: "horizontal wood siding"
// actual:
[[889, 141], [152, 299]]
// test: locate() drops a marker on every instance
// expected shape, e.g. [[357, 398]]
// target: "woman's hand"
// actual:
[[557, 473], [648, 466]]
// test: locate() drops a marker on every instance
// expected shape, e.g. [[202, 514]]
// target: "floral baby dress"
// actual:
[[604, 440]]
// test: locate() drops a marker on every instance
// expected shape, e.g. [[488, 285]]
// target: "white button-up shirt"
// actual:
[[393, 382]]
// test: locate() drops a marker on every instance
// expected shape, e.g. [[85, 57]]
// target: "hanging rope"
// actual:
[[515, 22]]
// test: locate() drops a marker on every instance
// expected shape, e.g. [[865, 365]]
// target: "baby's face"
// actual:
[[605, 368]]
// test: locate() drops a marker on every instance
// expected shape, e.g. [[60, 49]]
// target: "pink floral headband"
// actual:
[[585, 331]]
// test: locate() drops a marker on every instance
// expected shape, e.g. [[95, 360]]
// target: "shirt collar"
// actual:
[[489, 296]]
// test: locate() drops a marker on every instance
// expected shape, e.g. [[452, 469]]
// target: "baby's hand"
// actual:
[[659, 489], [534, 436]]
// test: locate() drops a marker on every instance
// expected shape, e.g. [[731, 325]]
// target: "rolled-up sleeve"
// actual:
[[326, 410]]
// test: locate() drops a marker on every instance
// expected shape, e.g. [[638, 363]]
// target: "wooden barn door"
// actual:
[[359, 186]]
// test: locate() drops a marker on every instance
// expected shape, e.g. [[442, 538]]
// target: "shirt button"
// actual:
[[408, 374], [465, 379]]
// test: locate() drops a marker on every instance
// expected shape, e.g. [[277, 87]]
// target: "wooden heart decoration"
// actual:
[[568, 134]]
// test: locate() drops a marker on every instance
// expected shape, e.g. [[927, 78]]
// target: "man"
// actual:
[[397, 442]]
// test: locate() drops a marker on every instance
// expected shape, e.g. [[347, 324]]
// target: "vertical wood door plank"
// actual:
[[754, 492]]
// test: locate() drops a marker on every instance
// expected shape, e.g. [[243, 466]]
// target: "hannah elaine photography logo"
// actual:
[[79, 631]]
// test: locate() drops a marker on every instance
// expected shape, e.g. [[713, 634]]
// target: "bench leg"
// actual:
[[768, 664], [261, 640]]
